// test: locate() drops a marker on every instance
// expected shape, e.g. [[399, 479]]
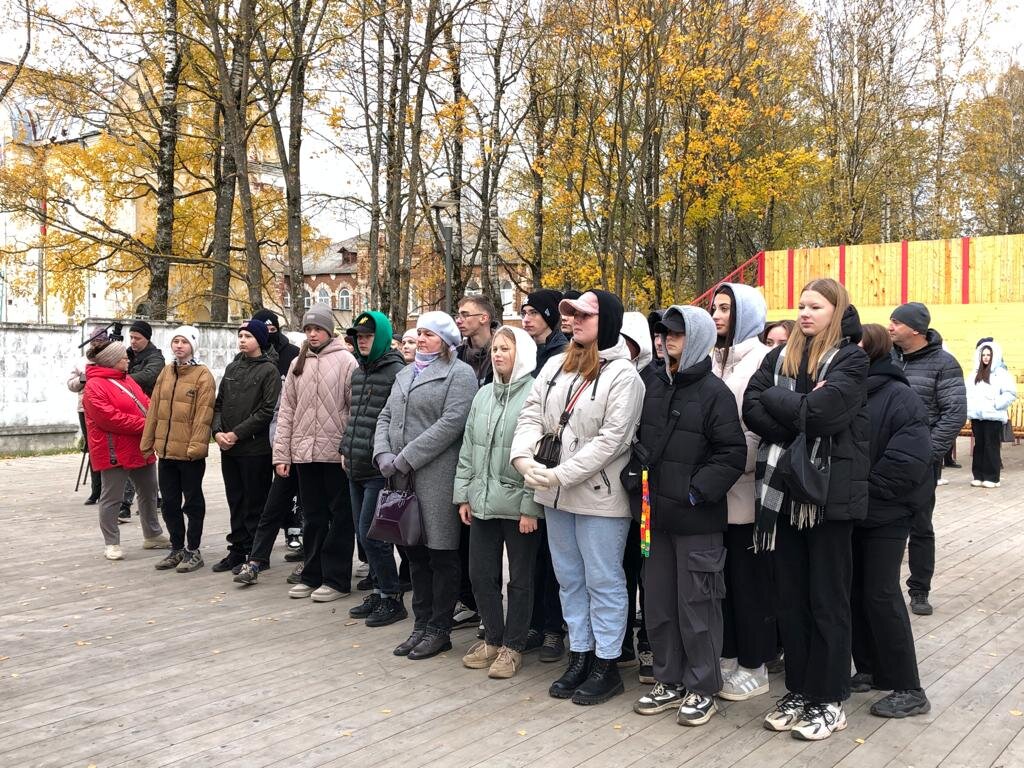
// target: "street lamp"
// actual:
[[448, 208]]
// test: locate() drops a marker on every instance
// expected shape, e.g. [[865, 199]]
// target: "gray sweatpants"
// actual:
[[684, 586], [114, 480]]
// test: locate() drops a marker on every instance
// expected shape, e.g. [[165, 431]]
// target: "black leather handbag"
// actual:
[[806, 478]]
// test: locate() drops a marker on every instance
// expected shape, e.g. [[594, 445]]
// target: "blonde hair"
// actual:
[[835, 294], [582, 359]]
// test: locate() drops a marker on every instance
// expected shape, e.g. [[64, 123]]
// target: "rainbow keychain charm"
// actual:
[[645, 515]]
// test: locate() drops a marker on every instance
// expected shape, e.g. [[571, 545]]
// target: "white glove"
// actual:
[[542, 477], [524, 465]]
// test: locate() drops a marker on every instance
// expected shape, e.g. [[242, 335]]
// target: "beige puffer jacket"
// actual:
[[315, 407], [743, 361], [180, 413], [595, 442]]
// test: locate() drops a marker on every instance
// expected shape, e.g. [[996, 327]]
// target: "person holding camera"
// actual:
[[570, 446]]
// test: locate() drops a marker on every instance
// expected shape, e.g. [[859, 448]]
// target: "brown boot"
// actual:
[[506, 665], [480, 655]]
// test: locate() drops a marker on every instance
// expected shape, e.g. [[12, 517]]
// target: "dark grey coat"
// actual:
[[423, 421]]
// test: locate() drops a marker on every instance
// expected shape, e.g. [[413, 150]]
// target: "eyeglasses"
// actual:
[[529, 313], [467, 315]]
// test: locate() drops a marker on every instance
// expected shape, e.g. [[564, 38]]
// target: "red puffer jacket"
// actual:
[[113, 419]]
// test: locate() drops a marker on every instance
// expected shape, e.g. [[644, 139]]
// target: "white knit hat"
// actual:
[[191, 334], [440, 324]]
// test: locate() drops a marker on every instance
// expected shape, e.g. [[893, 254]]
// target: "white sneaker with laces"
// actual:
[[788, 712], [660, 699], [820, 721], [113, 552], [696, 709], [745, 684], [325, 594]]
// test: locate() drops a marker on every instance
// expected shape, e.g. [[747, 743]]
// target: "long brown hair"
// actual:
[[984, 371], [835, 294], [582, 359]]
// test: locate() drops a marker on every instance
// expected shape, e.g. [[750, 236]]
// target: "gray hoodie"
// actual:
[[700, 334]]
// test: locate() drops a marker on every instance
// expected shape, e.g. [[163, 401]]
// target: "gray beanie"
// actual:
[[914, 315], [440, 324], [108, 356], [321, 316]]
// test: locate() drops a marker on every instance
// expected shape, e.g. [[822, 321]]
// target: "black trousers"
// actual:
[[883, 642], [94, 476], [328, 535], [632, 564], [988, 438], [813, 573], [547, 606], [247, 482], [181, 486], [487, 539], [921, 549], [277, 513], [435, 586], [466, 596], [751, 634]]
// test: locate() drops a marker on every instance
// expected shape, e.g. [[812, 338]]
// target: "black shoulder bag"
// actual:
[[549, 447]]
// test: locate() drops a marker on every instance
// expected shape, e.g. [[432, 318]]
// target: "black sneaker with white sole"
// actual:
[[660, 698], [696, 709], [365, 608]]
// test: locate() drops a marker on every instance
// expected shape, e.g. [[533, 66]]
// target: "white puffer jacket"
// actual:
[[315, 407], [595, 442], [990, 400]]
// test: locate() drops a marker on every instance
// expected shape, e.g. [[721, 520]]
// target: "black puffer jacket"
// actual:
[[938, 380], [145, 366], [704, 456], [555, 345], [901, 480], [838, 411], [246, 402], [371, 387]]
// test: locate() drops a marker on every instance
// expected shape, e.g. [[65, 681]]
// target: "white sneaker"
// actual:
[[975, 483], [324, 594], [300, 591], [696, 709], [745, 684], [820, 721], [942, 481], [661, 698], [113, 552], [989, 484], [788, 712]]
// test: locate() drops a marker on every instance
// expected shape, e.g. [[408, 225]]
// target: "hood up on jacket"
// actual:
[[381, 337], [636, 329], [609, 319], [749, 311], [997, 355], [700, 334], [851, 327], [526, 355]]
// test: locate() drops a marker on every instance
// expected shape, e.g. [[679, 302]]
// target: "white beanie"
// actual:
[[440, 324], [191, 334]]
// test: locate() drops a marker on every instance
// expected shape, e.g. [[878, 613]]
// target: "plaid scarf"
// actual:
[[770, 492]]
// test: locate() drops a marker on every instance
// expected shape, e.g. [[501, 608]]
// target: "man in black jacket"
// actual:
[[286, 351], [938, 379], [371, 386], [542, 321]]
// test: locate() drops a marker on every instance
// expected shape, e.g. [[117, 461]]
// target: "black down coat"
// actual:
[[901, 480], [371, 387], [705, 454], [837, 411]]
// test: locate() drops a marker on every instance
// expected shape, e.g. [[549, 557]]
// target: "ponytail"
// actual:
[[300, 361]]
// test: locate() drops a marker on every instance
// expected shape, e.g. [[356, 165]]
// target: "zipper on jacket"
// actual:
[[607, 482], [170, 413]]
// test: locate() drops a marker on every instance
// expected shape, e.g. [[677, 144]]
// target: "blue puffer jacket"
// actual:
[[990, 400]]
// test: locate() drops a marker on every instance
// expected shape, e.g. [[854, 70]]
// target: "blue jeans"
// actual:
[[379, 554], [586, 551]]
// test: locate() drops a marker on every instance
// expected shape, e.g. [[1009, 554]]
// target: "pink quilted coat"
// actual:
[[315, 407]]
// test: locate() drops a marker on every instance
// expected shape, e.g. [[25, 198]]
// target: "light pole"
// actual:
[[446, 207]]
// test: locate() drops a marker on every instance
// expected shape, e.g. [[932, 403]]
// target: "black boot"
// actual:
[[411, 642], [388, 611], [574, 675], [603, 683], [435, 641]]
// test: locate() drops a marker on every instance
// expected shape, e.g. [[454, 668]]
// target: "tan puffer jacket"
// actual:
[[180, 413], [315, 407]]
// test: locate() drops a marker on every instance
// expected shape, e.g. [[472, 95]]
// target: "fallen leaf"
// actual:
[[385, 711], [15, 674], [346, 733], [1016, 712], [859, 741], [82, 642], [350, 623], [521, 733], [617, 726], [355, 645], [4, 658], [151, 621], [216, 650]]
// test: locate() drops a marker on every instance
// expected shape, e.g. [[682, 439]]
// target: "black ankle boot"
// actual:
[[435, 641], [603, 682], [574, 675], [411, 642]]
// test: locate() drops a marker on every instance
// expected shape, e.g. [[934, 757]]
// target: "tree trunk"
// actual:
[[220, 250]]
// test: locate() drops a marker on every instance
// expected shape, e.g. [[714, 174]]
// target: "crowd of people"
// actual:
[[747, 489]]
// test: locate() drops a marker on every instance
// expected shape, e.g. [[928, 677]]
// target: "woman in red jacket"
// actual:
[[115, 415]]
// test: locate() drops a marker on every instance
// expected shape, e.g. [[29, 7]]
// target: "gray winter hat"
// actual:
[[914, 315], [321, 316]]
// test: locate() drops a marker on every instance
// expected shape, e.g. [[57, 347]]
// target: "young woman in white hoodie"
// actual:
[[990, 392], [750, 636]]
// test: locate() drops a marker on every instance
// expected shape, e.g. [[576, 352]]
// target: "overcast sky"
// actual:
[[325, 172]]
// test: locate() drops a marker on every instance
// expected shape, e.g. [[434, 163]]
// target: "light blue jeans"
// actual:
[[586, 552]]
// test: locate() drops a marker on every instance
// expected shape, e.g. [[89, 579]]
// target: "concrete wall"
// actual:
[[37, 411]]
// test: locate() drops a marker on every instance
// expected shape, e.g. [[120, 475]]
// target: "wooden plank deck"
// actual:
[[115, 664]]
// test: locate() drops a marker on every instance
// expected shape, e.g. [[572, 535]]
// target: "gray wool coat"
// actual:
[[423, 421]]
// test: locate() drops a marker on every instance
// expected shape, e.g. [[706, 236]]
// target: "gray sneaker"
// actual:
[[191, 561], [174, 557]]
